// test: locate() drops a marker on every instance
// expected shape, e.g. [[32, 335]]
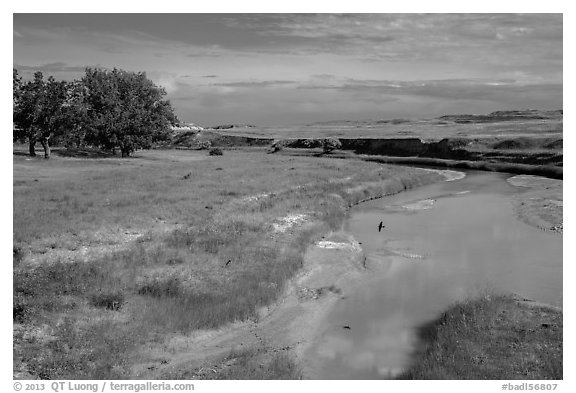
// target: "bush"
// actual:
[[330, 144], [216, 152], [161, 287], [204, 145], [20, 312], [108, 300], [277, 145], [17, 255]]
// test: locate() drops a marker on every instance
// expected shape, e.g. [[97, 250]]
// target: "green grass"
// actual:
[[89, 288], [493, 337]]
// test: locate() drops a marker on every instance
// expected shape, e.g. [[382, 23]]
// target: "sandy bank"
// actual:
[[292, 323], [540, 203]]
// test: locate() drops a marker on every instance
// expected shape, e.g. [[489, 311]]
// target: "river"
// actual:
[[438, 244]]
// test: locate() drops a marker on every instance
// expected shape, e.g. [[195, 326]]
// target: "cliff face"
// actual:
[[543, 151], [220, 140], [397, 147], [193, 140], [535, 151]]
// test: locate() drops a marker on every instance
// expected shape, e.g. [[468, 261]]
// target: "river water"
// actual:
[[439, 243]]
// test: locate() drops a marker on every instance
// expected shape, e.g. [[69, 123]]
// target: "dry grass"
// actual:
[[494, 337], [246, 364], [87, 291], [254, 365]]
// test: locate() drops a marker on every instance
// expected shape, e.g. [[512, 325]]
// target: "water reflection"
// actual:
[[429, 255]]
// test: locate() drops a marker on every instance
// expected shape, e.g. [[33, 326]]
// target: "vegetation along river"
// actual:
[[438, 244]]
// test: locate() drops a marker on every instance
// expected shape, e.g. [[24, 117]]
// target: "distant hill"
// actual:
[[230, 126], [530, 114], [494, 117]]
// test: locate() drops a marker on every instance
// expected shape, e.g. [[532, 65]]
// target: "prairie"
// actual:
[[504, 124], [113, 254], [116, 260]]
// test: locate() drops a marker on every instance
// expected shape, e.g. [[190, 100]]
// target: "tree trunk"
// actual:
[[46, 146], [32, 147]]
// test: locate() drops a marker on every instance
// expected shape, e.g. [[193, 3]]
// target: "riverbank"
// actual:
[[541, 202], [286, 329], [121, 266], [494, 337], [441, 243], [157, 275], [549, 171]]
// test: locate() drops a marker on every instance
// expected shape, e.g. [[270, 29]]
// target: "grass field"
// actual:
[[111, 253], [493, 337]]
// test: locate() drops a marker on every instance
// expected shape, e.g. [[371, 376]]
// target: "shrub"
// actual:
[[17, 255], [161, 287], [204, 145], [278, 145], [19, 311], [330, 144], [110, 300], [216, 152]]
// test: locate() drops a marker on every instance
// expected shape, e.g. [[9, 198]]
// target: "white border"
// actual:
[[246, 6]]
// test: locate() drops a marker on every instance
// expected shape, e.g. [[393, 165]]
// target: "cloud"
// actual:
[[169, 81], [252, 84], [296, 68], [477, 89], [57, 67], [407, 37], [203, 54]]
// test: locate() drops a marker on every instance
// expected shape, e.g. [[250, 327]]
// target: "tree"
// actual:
[[16, 94], [75, 115], [125, 110], [26, 98], [38, 111], [16, 88], [55, 117]]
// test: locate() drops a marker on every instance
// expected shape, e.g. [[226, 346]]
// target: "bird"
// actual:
[[346, 327], [381, 226]]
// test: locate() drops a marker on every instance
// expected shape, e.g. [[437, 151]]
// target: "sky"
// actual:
[[290, 69]]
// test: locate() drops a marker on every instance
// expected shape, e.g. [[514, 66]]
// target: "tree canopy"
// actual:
[[106, 108], [39, 112]]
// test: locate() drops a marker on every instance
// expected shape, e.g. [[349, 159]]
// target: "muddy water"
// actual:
[[440, 243]]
